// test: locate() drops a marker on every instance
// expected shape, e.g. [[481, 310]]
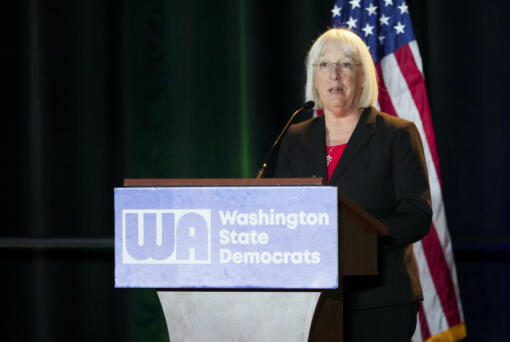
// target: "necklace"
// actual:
[[329, 158]]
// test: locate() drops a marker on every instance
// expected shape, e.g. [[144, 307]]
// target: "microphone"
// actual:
[[308, 105]]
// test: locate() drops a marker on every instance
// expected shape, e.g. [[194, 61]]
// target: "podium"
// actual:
[[276, 306]]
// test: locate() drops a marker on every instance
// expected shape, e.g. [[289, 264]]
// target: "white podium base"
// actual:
[[238, 316]]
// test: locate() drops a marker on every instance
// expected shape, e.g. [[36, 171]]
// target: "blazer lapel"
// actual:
[[317, 144], [360, 136]]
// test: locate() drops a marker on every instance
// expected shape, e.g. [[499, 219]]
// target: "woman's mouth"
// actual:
[[336, 90]]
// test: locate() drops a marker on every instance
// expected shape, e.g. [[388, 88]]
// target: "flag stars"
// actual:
[[371, 9], [367, 29], [355, 3], [384, 20], [399, 28], [336, 11], [388, 2], [381, 40], [403, 8], [351, 22]]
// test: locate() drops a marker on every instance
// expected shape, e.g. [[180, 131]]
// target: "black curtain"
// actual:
[[104, 90]]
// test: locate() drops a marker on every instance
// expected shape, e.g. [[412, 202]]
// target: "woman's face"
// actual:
[[338, 79]]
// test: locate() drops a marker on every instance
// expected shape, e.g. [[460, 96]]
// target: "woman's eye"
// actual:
[[323, 65], [347, 65]]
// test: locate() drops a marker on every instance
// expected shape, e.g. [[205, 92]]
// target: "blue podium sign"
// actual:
[[227, 237]]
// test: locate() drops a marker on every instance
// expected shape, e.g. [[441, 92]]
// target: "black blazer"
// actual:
[[383, 169]]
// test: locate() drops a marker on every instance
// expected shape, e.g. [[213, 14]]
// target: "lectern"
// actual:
[[243, 259]]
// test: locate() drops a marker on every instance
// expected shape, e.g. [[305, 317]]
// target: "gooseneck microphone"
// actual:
[[308, 105]]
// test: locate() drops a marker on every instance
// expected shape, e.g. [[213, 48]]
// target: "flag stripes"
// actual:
[[416, 84], [441, 276]]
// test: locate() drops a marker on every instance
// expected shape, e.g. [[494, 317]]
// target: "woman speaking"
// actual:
[[375, 159]]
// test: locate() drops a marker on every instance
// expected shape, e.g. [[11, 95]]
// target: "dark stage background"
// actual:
[[110, 89]]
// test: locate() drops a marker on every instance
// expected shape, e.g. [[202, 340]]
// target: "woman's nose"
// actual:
[[334, 71]]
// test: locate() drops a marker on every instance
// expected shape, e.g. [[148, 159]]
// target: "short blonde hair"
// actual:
[[355, 48]]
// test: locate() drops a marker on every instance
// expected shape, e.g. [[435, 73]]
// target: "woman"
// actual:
[[375, 159]]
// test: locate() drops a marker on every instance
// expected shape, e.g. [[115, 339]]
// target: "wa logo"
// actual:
[[166, 236]]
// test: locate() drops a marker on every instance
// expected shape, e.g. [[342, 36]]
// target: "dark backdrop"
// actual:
[[104, 90]]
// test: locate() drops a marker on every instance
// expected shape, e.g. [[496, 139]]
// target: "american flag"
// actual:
[[385, 26]]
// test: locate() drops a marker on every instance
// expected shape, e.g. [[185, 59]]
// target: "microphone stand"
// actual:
[[262, 170]]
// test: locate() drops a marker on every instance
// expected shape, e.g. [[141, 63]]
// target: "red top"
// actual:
[[333, 155]]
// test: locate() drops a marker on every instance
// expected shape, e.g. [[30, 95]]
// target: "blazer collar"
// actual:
[[362, 133]]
